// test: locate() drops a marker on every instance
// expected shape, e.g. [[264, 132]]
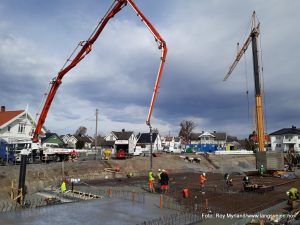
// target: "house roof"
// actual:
[[195, 136], [207, 134], [220, 136], [85, 139], [145, 138], [49, 135], [7, 116], [231, 139], [168, 138], [123, 135], [283, 131]]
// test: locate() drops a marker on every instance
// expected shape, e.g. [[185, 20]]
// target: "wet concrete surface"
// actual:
[[104, 211]]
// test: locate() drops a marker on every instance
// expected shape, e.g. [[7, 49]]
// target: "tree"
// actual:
[[80, 144], [81, 131], [187, 127]]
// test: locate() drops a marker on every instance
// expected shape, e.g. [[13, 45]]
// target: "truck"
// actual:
[[5, 155], [55, 154], [16, 148]]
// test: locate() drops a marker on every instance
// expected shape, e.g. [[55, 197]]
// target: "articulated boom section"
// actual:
[[86, 47]]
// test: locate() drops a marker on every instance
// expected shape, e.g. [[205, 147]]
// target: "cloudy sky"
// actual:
[[117, 77]]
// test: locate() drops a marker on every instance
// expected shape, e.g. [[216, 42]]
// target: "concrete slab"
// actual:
[[104, 211]]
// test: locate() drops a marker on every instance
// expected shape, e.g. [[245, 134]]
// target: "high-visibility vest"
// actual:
[[151, 177], [294, 193], [63, 187], [158, 175], [202, 179]]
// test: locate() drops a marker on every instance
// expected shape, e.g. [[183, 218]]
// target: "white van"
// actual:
[[138, 150]]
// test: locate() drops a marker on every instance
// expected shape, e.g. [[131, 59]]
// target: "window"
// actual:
[[278, 145], [278, 137], [8, 128], [21, 128]]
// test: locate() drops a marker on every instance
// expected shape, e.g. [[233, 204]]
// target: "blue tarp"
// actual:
[[203, 147]]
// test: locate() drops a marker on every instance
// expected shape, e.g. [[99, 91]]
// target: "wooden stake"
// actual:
[[161, 201]]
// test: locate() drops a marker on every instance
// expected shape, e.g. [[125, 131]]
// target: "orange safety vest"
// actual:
[[202, 179]]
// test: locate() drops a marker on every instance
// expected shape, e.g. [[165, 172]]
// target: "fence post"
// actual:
[[161, 201], [206, 204], [110, 192]]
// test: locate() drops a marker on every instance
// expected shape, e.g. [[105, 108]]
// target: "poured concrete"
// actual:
[[101, 211]]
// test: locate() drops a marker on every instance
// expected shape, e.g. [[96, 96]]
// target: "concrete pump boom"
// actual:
[[252, 38], [86, 47]]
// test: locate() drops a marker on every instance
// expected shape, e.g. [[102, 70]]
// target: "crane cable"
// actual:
[[247, 87]]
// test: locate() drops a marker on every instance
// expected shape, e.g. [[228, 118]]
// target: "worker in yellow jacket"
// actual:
[[63, 187], [151, 181], [293, 195]]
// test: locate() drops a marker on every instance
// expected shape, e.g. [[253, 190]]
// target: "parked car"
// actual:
[[174, 149]]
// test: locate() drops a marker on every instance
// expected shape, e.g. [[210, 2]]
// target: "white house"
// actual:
[[221, 139], [71, 140], [285, 139], [16, 125], [125, 140], [171, 142], [144, 141]]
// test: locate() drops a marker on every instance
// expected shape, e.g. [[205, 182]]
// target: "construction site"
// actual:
[[192, 183], [97, 187]]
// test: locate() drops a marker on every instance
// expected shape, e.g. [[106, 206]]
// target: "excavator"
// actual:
[[85, 47]]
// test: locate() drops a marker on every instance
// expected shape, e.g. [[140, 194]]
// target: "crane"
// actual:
[[253, 38], [85, 47]]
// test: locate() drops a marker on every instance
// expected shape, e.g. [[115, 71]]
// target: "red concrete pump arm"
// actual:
[[86, 47]]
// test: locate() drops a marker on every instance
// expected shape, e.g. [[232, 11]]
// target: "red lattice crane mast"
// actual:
[[86, 47], [253, 38]]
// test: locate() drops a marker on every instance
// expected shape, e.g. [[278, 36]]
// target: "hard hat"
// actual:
[[159, 170], [287, 193], [163, 170], [203, 174], [247, 177]]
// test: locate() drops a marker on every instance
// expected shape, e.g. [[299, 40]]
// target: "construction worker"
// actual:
[[262, 170], [158, 174], [63, 187], [228, 180], [246, 181], [158, 177], [151, 181], [164, 181], [293, 195], [202, 180]]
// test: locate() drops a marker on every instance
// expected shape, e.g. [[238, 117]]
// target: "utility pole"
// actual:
[[96, 134]]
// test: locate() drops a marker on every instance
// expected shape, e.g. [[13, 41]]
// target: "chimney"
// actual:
[[123, 130], [3, 108]]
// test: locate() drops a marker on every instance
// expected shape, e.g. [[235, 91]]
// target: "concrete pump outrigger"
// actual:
[[86, 47]]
